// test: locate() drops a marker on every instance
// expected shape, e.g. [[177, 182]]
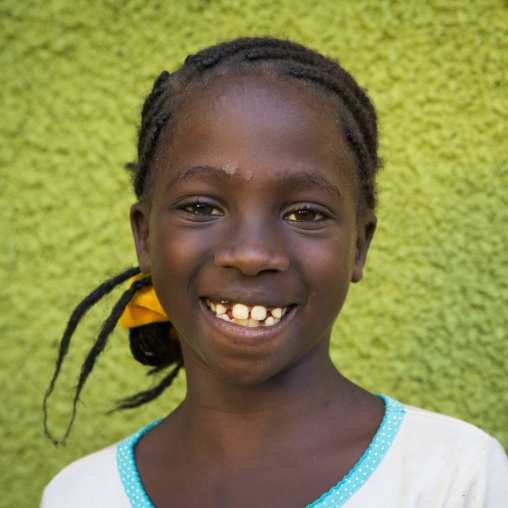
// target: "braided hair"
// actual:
[[156, 344]]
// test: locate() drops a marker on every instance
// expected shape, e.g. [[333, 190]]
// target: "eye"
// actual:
[[304, 215], [200, 209], [307, 215]]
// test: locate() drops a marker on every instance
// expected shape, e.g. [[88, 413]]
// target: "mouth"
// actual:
[[250, 316]]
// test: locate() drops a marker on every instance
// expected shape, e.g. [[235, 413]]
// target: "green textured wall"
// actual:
[[428, 325]]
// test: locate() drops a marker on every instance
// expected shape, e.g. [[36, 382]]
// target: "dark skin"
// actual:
[[254, 202]]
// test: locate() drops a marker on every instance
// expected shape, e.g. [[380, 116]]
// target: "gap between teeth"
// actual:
[[243, 315]]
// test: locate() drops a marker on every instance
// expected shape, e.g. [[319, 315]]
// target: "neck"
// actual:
[[271, 415]]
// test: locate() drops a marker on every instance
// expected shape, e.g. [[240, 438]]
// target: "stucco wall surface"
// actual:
[[427, 325]]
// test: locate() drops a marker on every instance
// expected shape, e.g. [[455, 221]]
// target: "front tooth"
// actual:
[[220, 309], [269, 321], [253, 323], [240, 311], [258, 312], [242, 322], [277, 313], [225, 317]]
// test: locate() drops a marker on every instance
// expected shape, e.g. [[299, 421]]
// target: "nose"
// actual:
[[253, 252]]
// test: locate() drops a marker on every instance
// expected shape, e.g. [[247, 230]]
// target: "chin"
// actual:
[[243, 372]]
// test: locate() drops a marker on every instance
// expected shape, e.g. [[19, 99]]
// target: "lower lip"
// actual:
[[244, 334]]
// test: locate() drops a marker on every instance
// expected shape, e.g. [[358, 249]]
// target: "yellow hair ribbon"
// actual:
[[144, 308]]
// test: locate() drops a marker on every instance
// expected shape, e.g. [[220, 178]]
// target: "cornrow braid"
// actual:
[[149, 135], [282, 53], [280, 58], [213, 55], [83, 307], [156, 90], [350, 101], [148, 139], [170, 352], [147, 396]]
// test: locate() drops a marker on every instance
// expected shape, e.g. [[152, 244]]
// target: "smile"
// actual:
[[245, 315]]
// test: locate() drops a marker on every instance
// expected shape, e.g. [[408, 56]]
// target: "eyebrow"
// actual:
[[301, 179], [312, 179], [200, 173]]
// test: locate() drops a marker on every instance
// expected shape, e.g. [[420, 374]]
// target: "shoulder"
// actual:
[[457, 445], [447, 461], [430, 421], [439, 461], [92, 481], [437, 433]]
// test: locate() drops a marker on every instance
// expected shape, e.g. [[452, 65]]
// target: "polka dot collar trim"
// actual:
[[337, 496], [128, 472]]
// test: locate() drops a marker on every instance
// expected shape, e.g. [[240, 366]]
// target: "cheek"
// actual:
[[178, 256], [330, 271], [170, 258]]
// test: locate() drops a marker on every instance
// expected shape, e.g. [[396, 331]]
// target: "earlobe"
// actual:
[[365, 233], [140, 218]]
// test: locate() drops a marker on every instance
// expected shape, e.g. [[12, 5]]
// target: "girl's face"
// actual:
[[253, 204]]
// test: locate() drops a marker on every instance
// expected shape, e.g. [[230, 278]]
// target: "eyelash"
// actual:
[[201, 208], [318, 215]]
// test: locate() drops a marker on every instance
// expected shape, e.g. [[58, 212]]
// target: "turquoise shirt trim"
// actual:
[[337, 496], [128, 472]]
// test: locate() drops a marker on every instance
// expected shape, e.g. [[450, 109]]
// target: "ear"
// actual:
[[140, 220], [365, 231]]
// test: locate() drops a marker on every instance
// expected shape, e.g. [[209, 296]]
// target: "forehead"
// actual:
[[246, 120]]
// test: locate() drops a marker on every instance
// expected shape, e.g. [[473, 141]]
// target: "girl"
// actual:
[[256, 193]]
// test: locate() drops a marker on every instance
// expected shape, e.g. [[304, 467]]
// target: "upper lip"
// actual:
[[250, 299]]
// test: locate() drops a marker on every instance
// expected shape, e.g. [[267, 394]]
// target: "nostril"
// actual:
[[283, 264], [224, 257]]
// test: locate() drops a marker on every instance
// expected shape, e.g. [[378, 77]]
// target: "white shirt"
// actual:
[[431, 461]]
